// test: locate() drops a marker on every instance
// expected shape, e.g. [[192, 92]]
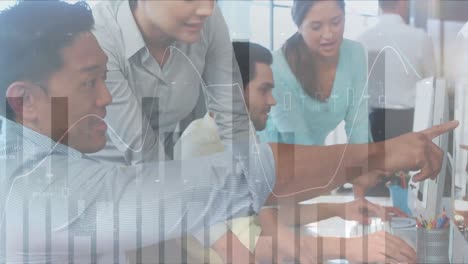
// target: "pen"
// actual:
[[418, 223], [444, 222], [424, 222]]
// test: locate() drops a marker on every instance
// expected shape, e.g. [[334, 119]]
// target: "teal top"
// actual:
[[300, 119]]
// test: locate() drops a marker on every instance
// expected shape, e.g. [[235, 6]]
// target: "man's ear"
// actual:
[[22, 98]]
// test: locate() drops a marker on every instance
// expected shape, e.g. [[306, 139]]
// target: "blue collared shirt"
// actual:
[[61, 205], [299, 118]]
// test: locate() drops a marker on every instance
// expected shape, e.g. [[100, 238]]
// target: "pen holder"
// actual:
[[433, 245], [399, 198]]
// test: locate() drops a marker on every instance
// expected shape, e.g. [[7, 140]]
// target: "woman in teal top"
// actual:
[[320, 79]]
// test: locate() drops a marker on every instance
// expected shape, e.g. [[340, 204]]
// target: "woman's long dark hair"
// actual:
[[296, 52]]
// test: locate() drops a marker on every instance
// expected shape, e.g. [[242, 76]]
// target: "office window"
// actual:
[[90, 2], [270, 22], [283, 25], [360, 15], [6, 4], [260, 19], [255, 27]]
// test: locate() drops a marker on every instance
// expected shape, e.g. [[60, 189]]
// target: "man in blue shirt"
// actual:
[[59, 205], [53, 74]]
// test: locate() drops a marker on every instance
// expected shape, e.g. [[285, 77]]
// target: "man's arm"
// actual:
[[312, 249], [281, 243], [305, 171], [359, 210], [136, 205], [169, 199], [231, 249], [305, 214]]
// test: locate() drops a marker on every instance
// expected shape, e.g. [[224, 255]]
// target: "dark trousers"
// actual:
[[389, 123], [386, 124]]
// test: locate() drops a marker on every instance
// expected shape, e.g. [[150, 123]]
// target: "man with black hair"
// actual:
[[59, 205], [257, 78]]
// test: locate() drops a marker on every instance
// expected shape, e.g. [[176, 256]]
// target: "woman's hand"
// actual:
[[362, 211], [380, 247]]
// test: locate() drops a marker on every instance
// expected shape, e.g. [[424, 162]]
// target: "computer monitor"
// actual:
[[431, 108], [460, 156]]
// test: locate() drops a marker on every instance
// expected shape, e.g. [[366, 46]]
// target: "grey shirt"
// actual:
[[58, 205], [150, 101]]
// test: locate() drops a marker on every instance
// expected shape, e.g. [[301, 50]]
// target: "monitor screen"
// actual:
[[431, 108]]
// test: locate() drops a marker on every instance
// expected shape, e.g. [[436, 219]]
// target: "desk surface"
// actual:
[[335, 226], [458, 250]]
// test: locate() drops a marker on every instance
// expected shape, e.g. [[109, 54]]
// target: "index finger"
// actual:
[[438, 130]]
